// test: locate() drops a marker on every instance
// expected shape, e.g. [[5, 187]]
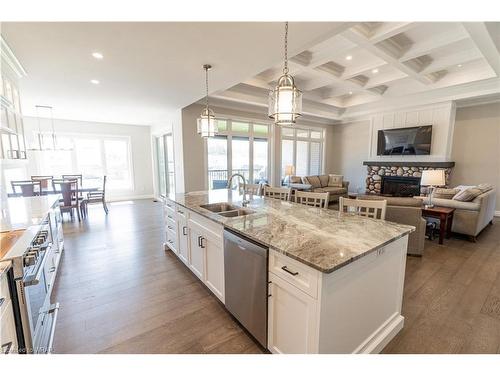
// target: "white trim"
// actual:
[[497, 213], [129, 198], [11, 59]]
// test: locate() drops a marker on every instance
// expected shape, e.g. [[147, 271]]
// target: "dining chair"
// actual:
[[320, 200], [45, 181], [27, 188], [69, 191], [277, 193], [78, 177], [94, 197], [373, 209]]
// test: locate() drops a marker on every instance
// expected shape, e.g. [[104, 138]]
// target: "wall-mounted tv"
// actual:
[[405, 141]]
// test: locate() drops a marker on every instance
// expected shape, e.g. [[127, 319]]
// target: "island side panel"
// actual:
[[361, 303]]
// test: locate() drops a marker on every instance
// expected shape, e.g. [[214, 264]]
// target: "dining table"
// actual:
[[87, 187]]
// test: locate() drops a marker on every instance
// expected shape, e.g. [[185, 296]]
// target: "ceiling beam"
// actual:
[[482, 38], [365, 43]]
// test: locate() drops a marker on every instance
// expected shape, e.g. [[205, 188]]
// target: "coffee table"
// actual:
[[445, 216]]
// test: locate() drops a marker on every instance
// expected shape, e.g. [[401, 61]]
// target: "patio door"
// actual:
[[165, 164]]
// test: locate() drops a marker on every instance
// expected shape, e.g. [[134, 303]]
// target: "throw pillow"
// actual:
[[443, 193], [335, 180], [324, 178], [295, 180], [313, 181], [467, 195], [485, 187]]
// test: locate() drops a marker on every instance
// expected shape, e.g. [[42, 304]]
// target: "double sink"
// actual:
[[227, 210]]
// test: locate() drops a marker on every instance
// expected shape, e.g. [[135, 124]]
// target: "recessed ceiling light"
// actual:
[[459, 65], [94, 81], [350, 92], [97, 55], [375, 71], [348, 57]]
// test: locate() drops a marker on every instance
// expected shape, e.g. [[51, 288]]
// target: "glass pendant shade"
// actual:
[[285, 101], [207, 126]]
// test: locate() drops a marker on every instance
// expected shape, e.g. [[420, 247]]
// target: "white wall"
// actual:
[[440, 116], [140, 139], [350, 148], [476, 147]]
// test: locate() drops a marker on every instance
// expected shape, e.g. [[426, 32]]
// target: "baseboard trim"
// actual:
[[382, 336]]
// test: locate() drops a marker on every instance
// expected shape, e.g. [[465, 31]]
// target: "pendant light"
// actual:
[[285, 101], [207, 126], [40, 143]]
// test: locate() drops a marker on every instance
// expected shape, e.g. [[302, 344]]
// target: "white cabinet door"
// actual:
[[197, 252], [183, 246], [8, 339], [292, 319], [214, 266]]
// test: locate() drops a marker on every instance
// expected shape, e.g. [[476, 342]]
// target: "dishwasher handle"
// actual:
[[244, 244]]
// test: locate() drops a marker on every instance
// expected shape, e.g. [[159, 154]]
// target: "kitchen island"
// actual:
[[335, 280]]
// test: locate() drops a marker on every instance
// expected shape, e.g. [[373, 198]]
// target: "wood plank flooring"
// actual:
[[120, 292]]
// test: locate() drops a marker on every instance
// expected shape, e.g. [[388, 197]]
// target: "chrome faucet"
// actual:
[[244, 202]]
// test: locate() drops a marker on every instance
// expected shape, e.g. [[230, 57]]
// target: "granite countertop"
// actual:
[[323, 239], [23, 212]]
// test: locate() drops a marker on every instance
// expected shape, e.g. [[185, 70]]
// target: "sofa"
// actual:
[[405, 211], [319, 184], [470, 218]]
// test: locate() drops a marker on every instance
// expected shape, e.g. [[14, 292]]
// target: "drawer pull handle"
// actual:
[[201, 242], [181, 212], [52, 269], [284, 268], [184, 230], [2, 300], [170, 217], [170, 227]]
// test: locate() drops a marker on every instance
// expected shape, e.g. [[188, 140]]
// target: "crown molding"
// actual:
[[10, 59]]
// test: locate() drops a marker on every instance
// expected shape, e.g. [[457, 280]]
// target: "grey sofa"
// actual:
[[470, 218], [405, 211]]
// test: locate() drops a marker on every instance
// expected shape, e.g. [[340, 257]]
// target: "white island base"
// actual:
[[355, 309]]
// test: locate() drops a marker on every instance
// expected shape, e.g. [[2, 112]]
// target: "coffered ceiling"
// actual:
[[370, 64]]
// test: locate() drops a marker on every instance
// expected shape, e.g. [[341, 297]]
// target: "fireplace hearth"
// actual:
[[400, 186]]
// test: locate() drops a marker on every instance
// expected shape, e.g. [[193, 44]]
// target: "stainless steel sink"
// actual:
[[219, 207], [239, 212]]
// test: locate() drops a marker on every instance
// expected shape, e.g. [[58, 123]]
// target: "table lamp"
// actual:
[[289, 171], [432, 178]]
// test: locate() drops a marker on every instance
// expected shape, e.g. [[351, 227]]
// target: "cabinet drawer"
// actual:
[[172, 239], [181, 211], [169, 205], [171, 225], [296, 273], [4, 292]]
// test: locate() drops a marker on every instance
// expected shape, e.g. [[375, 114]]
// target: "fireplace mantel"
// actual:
[[432, 164]]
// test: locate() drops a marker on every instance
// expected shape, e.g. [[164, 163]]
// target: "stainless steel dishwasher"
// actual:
[[245, 275]]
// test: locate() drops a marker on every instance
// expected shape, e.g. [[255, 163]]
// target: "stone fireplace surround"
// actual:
[[377, 169]]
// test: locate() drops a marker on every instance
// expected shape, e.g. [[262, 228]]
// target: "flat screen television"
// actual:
[[405, 141]]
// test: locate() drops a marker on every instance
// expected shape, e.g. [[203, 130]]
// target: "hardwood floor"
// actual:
[[120, 292]]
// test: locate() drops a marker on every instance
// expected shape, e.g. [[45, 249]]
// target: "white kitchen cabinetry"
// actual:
[[199, 244], [355, 309], [292, 318], [8, 339], [170, 225], [197, 254], [183, 245]]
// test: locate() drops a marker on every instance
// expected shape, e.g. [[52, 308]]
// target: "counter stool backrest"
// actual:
[[45, 181], [367, 208], [277, 193], [320, 200]]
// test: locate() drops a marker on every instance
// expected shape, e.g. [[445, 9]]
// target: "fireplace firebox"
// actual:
[[397, 186]]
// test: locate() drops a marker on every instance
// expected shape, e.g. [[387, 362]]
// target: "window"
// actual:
[[240, 147], [91, 156], [303, 149]]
